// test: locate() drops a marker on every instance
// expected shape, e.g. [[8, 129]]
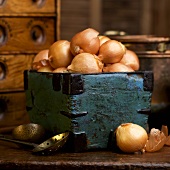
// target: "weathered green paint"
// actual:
[[103, 102]]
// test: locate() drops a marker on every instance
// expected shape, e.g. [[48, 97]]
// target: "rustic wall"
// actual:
[[131, 16], [74, 17], [121, 15]]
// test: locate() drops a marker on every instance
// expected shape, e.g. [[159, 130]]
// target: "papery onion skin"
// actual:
[[60, 70], [60, 54], [86, 41], [103, 39], [45, 69], [130, 59], [40, 59], [86, 63], [131, 137], [156, 141], [111, 51], [117, 67]]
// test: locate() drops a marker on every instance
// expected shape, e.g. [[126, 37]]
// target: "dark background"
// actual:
[[131, 16]]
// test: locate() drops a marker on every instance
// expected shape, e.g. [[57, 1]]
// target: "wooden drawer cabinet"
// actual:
[[12, 67], [29, 34], [26, 27], [12, 110], [14, 7]]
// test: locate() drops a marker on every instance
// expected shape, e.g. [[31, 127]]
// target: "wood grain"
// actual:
[[27, 35], [14, 7], [26, 27], [14, 157], [14, 66], [12, 110]]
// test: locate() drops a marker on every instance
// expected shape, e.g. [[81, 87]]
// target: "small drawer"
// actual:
[[11, 71], [26, 35], [12, 7], [12, 110]]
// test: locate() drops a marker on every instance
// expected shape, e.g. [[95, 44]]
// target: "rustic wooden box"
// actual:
[[90, 106]]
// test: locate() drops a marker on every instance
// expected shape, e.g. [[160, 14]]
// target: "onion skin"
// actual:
[[103, 39], [40, 60], [111, 51], [117, 67], [60, 70], [157, 140], [60, 54], [86, 41], [86, 63], [45, 69], [130, 59], [131, 137]]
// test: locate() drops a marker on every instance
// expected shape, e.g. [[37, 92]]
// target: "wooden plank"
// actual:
[[20, 7], [121, 15], [12, 110], [27, 35], [146, 19], [74, 17], [161, 17], [13, 66], [15, 157], [95, 15]]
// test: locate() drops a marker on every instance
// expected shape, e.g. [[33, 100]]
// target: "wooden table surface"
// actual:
[[14, 157]]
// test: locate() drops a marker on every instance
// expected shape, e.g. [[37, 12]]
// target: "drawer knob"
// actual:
[[2, 71], [2, 2], [3, 35], [3, 108], [37, 34], [39, 2]]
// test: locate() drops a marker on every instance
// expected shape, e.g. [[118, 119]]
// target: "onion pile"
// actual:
[[87, 52]]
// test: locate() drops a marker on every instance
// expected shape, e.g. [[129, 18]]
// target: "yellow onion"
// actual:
[[60, 54], [86, 63], [131, 137], [86, 41], [130, 59], [156, 141], [111, 51], [45, 69], [40, 60], [103, 39], [60, 70], [117, 67]]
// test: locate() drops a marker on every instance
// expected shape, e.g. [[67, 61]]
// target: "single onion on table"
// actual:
[[131, 137]]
